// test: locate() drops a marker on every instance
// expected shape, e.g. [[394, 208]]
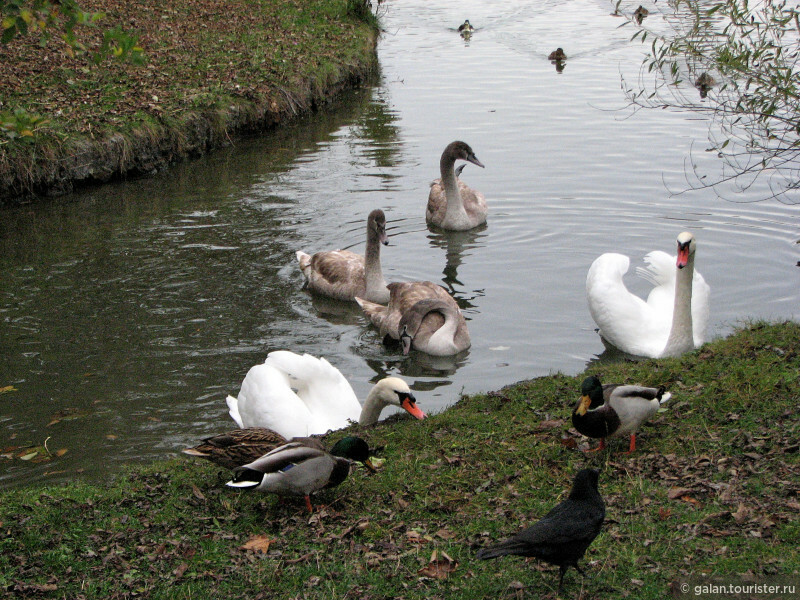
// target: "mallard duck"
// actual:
[[672, 321], [436, 328], [302, 395], [452, 204], [704, 82], [342, 274], [465, 27], [295, 469], [640, 13], [562, 536], [557, 55], [240, 446], [613, 410]]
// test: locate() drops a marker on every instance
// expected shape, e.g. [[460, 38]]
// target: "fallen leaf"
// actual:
[[439, 567], [180, 570], [550, 424], [741, 515], [197, 493], [569, 442], [257, 543], [677, 492]]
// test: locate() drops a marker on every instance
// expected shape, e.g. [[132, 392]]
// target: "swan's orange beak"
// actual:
[[410, 406], [683, 255]]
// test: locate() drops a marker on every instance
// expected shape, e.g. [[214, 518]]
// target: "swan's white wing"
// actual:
[[701, 306], [625, 320], [267, 400], [233, 410], [328, 397], [660, 271]]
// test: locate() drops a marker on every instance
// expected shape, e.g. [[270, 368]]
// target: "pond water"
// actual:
[[129, 311]]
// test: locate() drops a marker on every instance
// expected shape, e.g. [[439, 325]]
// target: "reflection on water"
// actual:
[[129, 311]]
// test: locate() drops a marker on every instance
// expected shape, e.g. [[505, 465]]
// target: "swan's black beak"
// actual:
[[474, 160]]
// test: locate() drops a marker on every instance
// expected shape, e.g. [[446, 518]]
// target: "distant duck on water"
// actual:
[[465, 27]]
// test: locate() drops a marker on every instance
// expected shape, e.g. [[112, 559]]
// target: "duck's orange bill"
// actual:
[[411, 408]]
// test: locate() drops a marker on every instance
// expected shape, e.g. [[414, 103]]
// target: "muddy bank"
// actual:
[[59, 170]]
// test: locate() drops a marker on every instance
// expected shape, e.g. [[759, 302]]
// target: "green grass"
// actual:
[[712, 489], [269, 59]]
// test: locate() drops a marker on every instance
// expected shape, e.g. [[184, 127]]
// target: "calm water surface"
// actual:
[[129, 311]]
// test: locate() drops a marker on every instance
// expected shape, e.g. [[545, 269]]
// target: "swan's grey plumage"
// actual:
[[342, 274], [452, 204], [434, 326], [430, 318]]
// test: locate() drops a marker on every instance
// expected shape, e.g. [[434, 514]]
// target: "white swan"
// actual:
[[342, 274], [298, 395], [674, 319], [451, 203], [436, 327]]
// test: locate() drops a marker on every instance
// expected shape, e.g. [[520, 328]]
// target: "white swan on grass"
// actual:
[[301, 395]]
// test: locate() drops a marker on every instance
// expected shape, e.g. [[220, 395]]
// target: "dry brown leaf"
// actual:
[[257, 543], [741, 515], [439, 567], [197, 493], [180, 570], [677, 492]]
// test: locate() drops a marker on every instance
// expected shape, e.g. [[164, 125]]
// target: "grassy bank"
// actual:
[[213, 68], [712, 489]]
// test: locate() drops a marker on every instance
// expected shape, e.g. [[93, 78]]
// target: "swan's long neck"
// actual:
[[444, 337], [681, 336], [372, 408], [455, 205], [373, 274]]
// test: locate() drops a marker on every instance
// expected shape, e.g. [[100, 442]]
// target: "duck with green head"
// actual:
[[613, 410], [465, 28], [295, 469]]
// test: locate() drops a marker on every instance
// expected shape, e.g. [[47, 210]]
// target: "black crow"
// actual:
[[562, 536]]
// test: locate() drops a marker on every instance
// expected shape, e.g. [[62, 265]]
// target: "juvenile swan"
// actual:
[[451, 203], [342, 274], [436, 327], [672, 321]]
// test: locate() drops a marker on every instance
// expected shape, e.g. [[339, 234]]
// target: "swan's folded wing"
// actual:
[[324, 391], [701, 307], [625, 320], [660, 271], [267, 400]]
